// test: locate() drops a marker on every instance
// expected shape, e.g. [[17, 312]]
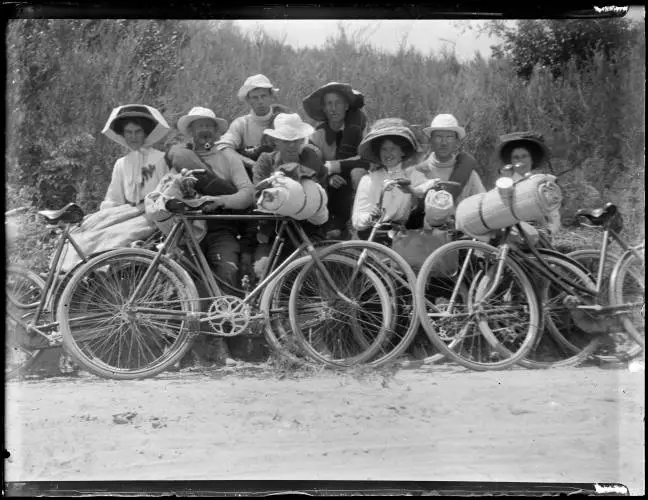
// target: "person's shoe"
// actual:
[[222, 352]]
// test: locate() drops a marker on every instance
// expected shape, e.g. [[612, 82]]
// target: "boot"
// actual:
[[221, 352]]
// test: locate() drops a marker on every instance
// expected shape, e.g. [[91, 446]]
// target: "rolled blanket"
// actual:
[[529, 200], [439, 205], [301, 200]]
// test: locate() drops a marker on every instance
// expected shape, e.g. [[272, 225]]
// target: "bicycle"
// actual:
[[31, 301], [502, 307], [621, 275], [131, 313], [327, 345]]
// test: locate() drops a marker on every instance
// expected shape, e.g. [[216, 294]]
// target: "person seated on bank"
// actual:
[[343, 124], [136, 127], [245, 133], [290, 140], [220, 174], [389, 143], [527, 153], [446, 162]]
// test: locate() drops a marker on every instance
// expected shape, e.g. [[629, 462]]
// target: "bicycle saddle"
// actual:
[[71, 213], [599, 216]]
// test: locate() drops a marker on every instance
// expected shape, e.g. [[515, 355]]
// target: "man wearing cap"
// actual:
[[446, 162], [245, 133], [343, 125]]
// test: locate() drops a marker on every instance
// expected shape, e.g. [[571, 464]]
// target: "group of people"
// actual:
[[349, 157]]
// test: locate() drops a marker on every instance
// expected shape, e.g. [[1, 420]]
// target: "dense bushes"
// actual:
[[64, 77]]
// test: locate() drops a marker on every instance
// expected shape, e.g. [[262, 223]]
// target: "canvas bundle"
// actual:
[[302, 200], [529, 200], [171, 186]]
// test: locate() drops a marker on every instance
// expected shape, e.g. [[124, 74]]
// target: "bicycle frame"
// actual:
[[52, 284], [539, 266], [182, 226]]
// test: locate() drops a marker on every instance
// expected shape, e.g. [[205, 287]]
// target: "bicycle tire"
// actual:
[[551, 350], [627, 286], [24, 289], [458, 272], [590, 258], [400, 280], [101, 287], [274, 306], [342, 334]]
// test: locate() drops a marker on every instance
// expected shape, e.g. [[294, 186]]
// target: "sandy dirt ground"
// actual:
[[423, 423]]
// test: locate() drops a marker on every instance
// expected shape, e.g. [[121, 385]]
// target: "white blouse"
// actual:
[[397, 205], [134, 176]]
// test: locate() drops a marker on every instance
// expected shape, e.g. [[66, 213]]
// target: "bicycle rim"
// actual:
[[400, 282], [628, 292], [477, 332], [622, 344], [561, 343], [115, 341], [335, 331], [24, 290]]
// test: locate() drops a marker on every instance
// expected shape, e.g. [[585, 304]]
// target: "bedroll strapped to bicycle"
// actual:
[[528, 200]]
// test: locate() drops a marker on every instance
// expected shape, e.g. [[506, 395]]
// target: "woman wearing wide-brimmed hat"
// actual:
[[526, 151], [343, 125], [389, 143], [136, 127]]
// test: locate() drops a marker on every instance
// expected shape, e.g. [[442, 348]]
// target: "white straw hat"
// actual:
[[195, 114], [120, 113], [255, 82], [289, 127], [445, 122]]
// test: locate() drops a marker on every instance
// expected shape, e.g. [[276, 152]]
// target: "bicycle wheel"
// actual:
[[274, 306], [115, 334], [400, 281], [344, 324], [622, 344], [561, 343], [478, 331], [627, 291], [24, 290]]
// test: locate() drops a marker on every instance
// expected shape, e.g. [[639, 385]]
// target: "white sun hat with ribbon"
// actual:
[[123, 113], [289, 127]]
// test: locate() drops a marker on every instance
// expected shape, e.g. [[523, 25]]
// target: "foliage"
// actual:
[[552, 43], [65, 76]]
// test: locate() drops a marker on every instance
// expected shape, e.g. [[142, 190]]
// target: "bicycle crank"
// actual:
[[228, 316]]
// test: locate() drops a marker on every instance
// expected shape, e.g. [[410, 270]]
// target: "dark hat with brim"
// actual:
[[530, 141], [382, 129], [313, 103], [127, 113]]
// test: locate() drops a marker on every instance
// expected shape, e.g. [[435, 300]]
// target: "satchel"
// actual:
[[415, 245]]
